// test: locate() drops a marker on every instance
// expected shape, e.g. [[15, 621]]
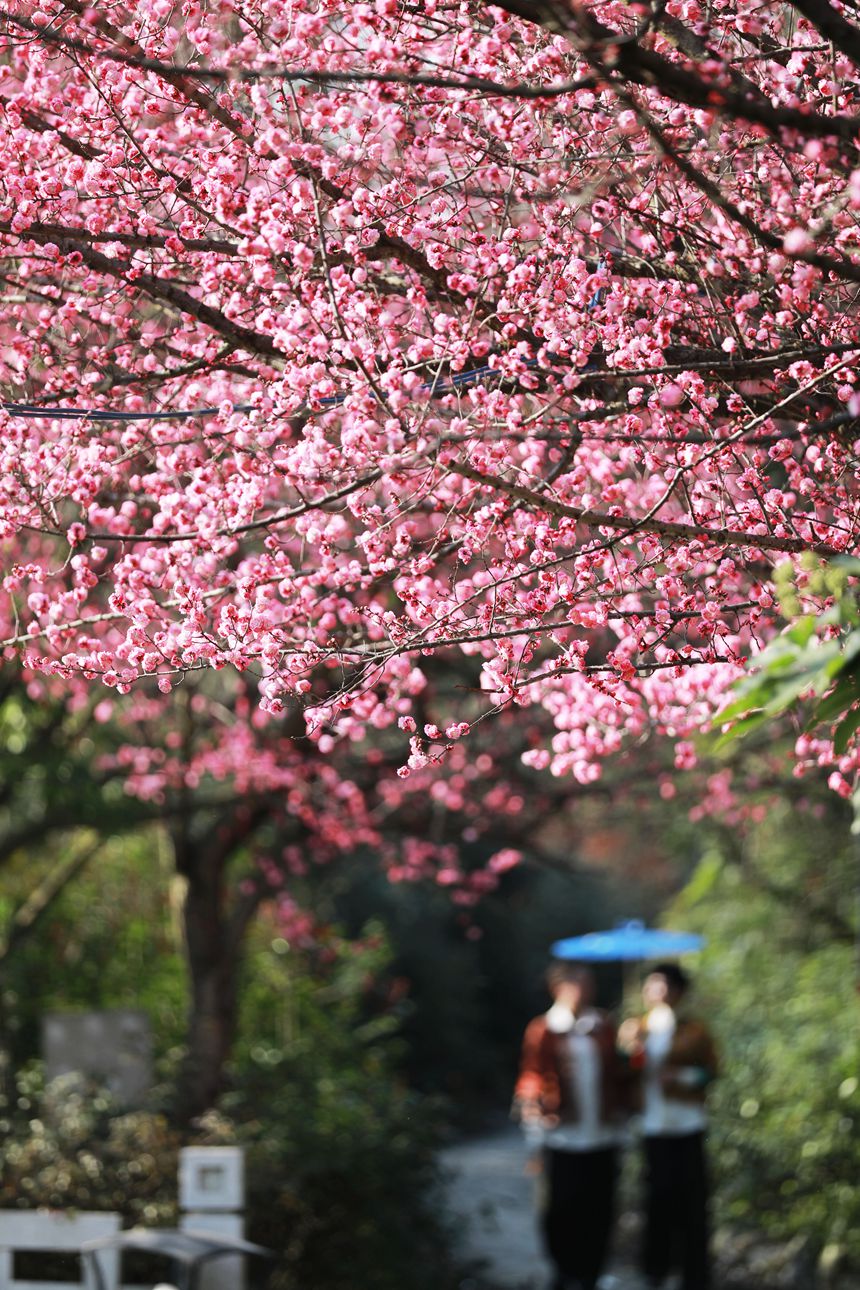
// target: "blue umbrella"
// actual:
[[626, 942]]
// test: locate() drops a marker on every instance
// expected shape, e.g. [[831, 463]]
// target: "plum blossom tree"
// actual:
[[249, 809], [350, 346], [249, 806], [339, 336]]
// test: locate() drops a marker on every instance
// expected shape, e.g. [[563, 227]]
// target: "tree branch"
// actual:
[[844, 35], [626, 523], [43, 896]]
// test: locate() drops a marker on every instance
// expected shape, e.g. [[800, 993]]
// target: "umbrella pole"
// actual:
[[631, 972]]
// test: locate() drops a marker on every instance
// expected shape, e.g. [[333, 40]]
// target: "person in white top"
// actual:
[[675, 1058], [568, 1100]]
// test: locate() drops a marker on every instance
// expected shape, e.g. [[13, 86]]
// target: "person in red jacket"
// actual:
[[568, 1098]]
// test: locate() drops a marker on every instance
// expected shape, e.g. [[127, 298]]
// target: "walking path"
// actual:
[[489, 1190]]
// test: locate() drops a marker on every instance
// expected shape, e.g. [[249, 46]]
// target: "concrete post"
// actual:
[[212, 1200]]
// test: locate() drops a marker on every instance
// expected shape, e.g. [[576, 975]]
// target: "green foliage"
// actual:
[[817, 661], [341, 1153], [777, 977], [50, 776], [341, 1171], [781, 962], [110, 940]]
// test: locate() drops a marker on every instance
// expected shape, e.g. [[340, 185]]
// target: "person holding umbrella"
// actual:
[[568, 1097], [675, 1059], [670, 1060]]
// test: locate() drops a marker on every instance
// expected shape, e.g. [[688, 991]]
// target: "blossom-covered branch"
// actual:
[[342, 341]]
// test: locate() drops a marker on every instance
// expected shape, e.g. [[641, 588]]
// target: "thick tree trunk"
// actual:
[[213, 963], [215, 923]]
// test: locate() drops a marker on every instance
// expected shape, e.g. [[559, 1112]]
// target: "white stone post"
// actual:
[[212, 1200]]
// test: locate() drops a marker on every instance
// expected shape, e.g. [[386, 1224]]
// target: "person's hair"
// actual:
[[562, 971], [674, 975]]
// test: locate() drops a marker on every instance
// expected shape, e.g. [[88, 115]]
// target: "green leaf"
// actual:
[[808, 675], [704, 879], [781, 652], [742, 728], [740, 707], [851, 648], [846, 729], [802, 630], [837, 702]]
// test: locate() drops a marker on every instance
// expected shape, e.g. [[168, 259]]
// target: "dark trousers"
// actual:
[[676, 1210], [579, 1211]]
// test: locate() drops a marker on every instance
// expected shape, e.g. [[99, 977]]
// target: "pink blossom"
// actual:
[[508, 858], [797, 240], [472, 449]]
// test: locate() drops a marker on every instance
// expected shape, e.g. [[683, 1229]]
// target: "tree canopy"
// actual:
[[342, 337]]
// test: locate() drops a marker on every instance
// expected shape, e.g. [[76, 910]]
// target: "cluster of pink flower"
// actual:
[[314, 221]]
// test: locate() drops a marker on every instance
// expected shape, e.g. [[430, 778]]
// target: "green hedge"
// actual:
[[779, 979]]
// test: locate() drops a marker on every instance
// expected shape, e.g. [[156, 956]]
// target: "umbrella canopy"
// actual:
[[626, 942], [183, 1245], [188, 1250]]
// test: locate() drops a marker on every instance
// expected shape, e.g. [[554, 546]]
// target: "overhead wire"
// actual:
[[437, 388]]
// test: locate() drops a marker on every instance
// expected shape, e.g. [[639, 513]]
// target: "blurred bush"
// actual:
[[342, 1181], [112, 939], [67, 1147], [779, 980]]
